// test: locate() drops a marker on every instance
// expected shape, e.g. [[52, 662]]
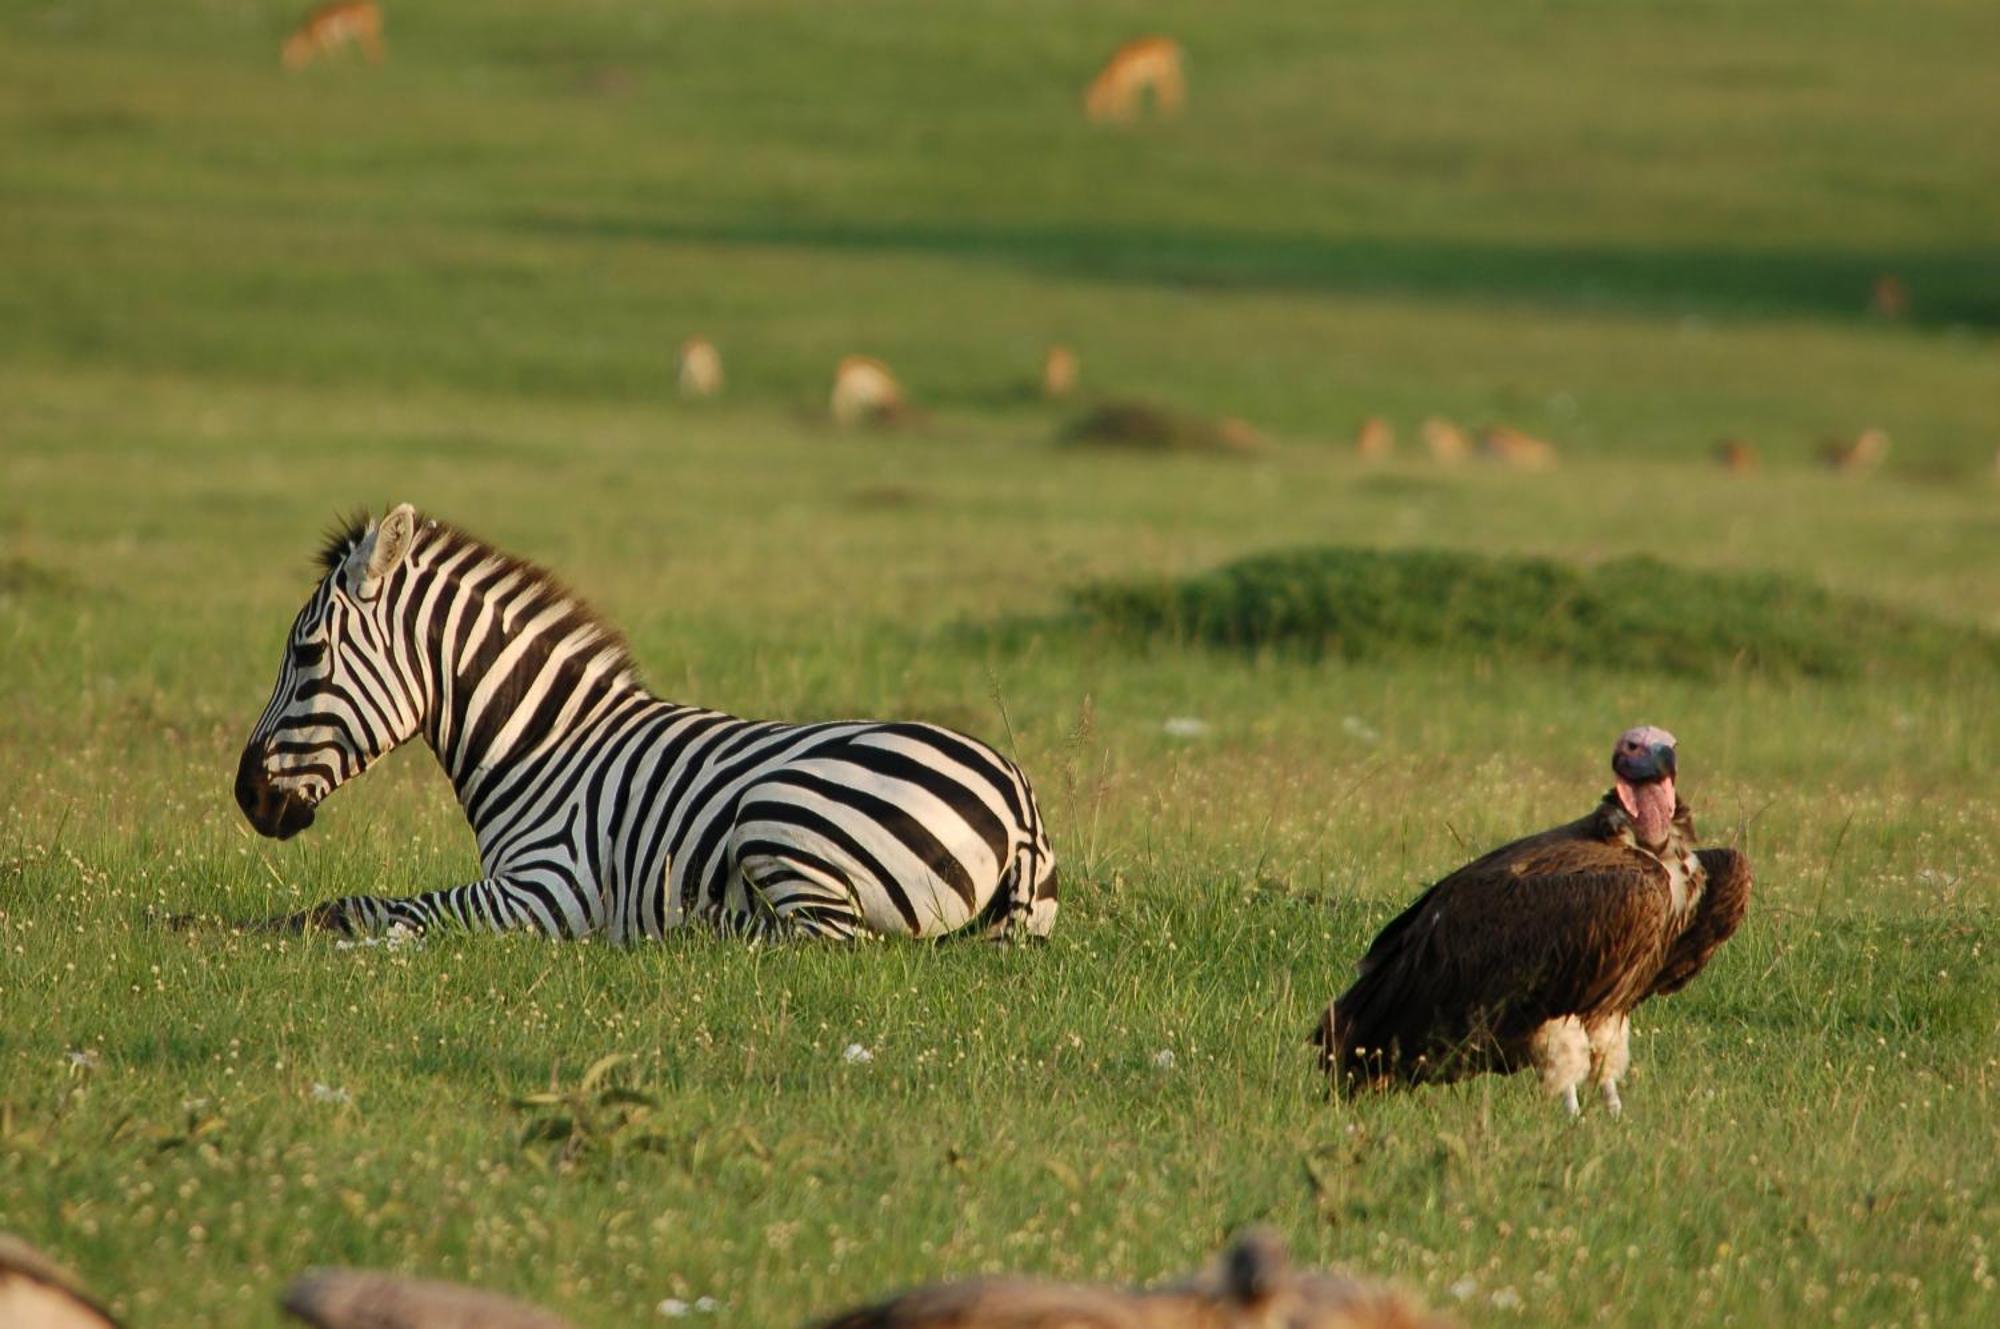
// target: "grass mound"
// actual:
[[1142, 427], [20, 576], [1631, 613]]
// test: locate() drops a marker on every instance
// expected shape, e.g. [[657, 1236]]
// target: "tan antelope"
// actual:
[[1733, 454], [1446, 441], [334, 25], [1864, 453], [1150, 64], [700, 370], [1891, 298], [1511, 447], [1059, 370], [865, 392], [1376, 439]]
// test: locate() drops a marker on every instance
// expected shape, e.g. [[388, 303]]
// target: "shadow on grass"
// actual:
[[1947, 287]]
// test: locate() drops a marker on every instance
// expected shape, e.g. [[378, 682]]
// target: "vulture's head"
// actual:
[[1643, 763]]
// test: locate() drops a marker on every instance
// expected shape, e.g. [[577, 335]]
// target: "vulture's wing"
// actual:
[[1723, 903], [1551, 926]]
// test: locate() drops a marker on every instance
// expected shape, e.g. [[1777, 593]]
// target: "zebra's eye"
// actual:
[[307, 654]]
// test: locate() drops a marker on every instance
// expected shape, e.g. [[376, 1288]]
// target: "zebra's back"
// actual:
[[912, 827]]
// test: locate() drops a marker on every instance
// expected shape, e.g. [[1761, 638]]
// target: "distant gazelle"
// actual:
[[1862, 453], [1375, 439], [865, 392], [700, 370], [1150, 64], [1891, 298], [334, 25], [1511, 447], [1537, 953], [1733, 454], [1445, 441], [1059, 372]]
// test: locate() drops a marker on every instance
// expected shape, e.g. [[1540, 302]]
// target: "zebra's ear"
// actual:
[[381, 550]]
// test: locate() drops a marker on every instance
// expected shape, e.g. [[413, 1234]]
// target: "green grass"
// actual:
[[234, 303]]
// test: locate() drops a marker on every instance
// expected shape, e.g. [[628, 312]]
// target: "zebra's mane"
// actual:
[[341, 538], [543, 589]]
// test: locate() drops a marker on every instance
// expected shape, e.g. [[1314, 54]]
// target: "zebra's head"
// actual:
[[337, 705]]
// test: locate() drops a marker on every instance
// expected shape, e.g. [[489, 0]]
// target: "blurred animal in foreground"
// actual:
[[700, 369], [357, 1299], [35, 1293], [1863, 453], [1537, 953], [866, 393], [1249, 1286], [1733, 454], [1375, 439], [1511, 447], [332, 26], [1142, 427], [1150, 64], [1445, 440], [1891, 299], [1059, 372]]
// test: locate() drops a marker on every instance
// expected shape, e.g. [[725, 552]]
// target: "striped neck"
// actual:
[[505, 659]]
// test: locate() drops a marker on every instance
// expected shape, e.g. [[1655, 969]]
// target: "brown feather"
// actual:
[[1722, 907], [1572, 921]]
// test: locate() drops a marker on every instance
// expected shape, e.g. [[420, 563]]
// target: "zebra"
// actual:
[[601, 809]]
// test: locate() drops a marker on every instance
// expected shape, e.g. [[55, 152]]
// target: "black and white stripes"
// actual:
[[602, 808]]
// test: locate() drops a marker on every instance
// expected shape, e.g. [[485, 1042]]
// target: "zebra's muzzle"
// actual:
[[278, 813]]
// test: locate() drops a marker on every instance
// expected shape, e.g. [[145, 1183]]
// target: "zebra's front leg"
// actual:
[[491, 904]]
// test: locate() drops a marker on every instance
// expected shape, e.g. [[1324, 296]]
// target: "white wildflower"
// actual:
[[1184, 726], [83, 1060], [1357, 727], [325, 1093], [1507, 1299], [674, 1308], [398, 937], [856, 1055], [1463, 1288], [1164, 1059]]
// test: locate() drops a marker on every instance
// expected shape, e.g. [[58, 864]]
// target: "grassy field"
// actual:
[[233, 303]]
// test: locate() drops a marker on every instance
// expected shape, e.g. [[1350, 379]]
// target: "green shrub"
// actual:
[[1629, 613]]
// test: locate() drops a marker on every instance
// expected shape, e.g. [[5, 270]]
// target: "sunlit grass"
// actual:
[[233, 305]]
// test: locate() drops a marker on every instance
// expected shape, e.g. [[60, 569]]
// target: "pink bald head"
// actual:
[[1644, 763]]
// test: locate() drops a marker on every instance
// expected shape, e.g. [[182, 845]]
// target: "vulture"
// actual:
[[1536, 954]]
